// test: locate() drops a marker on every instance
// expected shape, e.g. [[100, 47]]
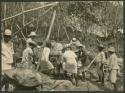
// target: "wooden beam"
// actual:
[[23, 13], [37, 24], [66, 33], [21, 32], [51, 25], [50, 28], [28, 11]]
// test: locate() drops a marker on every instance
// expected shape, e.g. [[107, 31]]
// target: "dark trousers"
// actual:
[[100, 72], [6, 81]]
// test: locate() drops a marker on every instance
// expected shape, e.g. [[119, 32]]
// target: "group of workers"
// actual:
[[36, 56]]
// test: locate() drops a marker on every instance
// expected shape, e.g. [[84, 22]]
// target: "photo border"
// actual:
[[68, 91]]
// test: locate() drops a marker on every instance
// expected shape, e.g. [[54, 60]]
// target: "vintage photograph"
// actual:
[[62, 46]]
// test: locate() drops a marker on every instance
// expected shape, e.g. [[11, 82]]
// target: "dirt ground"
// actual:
[[54, 83], [83, 86], [87, 85], [50, 84]]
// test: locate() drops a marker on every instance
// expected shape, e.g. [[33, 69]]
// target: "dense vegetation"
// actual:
[[73, 19]]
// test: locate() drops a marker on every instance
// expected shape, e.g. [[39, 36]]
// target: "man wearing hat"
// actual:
[[7, 53], [113, 67], [32, 37], [82, 56], [100, 59], [70, 64], [74, 43], [44, 65], [27, 58], [78, 53], [73, 40]]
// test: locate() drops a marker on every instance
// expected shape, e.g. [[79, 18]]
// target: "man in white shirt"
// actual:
[[99, 63], [28, 55], [113, 67], [7, 54], [70, 64], [31, 38], [44, 64], [74, 43], [7, 51]]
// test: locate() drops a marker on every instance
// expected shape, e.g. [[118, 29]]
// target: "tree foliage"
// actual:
[[78, 16]]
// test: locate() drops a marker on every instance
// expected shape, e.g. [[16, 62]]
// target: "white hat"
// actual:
[[111, 49], [8, 32], [73, 39], [32, 34]]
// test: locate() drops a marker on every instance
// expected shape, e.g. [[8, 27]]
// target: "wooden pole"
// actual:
[[23, 19], [91, 63], [21, 32], [115, 36], [28, 11], [50, 29], [52, 22], [58, 32], [23, 13], [37, 25], [66, 33], [5, 12]]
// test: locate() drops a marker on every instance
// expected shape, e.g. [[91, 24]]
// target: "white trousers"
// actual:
[[113, 75]]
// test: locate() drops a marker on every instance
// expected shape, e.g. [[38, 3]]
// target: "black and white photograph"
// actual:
[[62, 46]]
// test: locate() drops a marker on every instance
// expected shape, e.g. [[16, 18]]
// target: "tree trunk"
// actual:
[[5, 13], [58, 33], [23, 13], [116, 43]]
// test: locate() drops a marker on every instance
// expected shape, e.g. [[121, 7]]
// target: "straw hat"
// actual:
[[74, 39], [111, 49], [32, 34], [8, 32]]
